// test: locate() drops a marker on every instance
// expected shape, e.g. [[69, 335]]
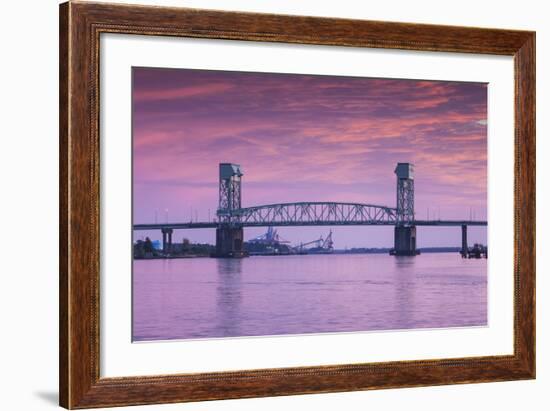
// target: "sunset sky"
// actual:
[[308, 138]]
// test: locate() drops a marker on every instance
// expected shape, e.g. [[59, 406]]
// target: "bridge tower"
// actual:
[[229, 233], [405, 231]]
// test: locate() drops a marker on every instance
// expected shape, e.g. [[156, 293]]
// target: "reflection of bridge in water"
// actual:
[[232, 218]]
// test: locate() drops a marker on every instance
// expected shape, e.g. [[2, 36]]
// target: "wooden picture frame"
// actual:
[[80, 27]]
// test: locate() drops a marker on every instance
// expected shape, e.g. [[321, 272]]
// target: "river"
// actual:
[[301, 294]]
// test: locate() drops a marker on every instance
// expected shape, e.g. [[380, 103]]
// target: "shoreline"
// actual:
[[428, 250]]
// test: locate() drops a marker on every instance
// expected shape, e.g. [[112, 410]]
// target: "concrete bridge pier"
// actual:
[[167, 240], [229, 242], [405, 240]]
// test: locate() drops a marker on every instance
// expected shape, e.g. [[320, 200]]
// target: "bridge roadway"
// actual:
[[196, 225], [309, 213]]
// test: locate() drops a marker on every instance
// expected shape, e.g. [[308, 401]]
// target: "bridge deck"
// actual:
[[196, 225], [309, 214]]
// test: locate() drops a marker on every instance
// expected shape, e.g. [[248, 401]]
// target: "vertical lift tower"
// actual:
[[229, 233], [405, 230]]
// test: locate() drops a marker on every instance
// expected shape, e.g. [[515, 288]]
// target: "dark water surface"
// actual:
[[206, 298]]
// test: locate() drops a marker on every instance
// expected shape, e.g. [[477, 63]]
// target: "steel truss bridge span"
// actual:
[[294, 214], [314, 213]]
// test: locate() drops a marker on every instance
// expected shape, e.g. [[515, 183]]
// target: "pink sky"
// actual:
[[308, 138]]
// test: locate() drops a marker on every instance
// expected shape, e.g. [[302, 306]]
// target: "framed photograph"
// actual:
[[258, 205]]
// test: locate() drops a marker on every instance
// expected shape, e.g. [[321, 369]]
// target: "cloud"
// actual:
[[179, 93]]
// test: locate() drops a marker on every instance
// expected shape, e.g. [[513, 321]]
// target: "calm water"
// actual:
[[205, 297]]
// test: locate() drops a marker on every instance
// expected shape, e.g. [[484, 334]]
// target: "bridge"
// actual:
[[232, 218]]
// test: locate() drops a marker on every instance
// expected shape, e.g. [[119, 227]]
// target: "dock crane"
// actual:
[[321, 245]]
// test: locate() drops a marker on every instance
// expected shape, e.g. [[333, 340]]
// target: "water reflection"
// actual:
[[212, 298], [404, 290], [229, 295]]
